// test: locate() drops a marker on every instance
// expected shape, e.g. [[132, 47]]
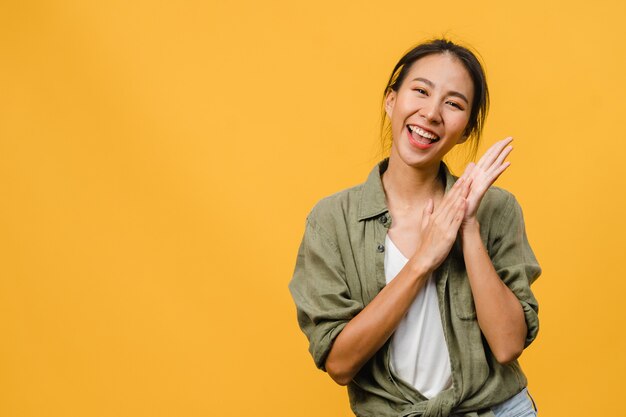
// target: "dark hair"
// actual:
[[480, 103]]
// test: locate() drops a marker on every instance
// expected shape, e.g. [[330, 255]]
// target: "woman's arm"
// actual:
[[366, 333], [500, 314], [370, 329]]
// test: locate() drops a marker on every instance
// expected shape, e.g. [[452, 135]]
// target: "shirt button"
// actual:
[[383, 219], [380, 248]]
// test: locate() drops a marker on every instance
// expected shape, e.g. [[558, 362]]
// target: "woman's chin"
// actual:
[[415, 159]]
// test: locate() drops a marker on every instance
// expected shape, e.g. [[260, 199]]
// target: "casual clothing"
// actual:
[[419, 354], [520, 405], [340, 269]]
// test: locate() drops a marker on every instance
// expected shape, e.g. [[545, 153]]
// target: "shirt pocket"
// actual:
[[462, 298]]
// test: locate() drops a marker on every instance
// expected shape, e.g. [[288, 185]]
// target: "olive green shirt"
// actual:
[[340, 269]]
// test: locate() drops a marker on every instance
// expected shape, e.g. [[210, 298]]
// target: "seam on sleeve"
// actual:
[[326, 236], [510, 207]]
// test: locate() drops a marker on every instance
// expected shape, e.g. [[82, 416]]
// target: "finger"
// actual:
[[457, 184], [459, 215], [466, 189], [468, 170], [454, 210], [502, 156], [461, 192], [507, 140], [500, 170], [493, 152], [452, 194], [428, 210], [502, 145]]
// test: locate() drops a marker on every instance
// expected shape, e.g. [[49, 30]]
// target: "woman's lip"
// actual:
[[419, 145]]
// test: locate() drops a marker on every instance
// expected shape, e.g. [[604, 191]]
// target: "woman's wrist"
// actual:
[[469, 227], [419, 269]]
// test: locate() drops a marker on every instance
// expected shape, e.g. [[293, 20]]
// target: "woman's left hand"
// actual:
[[483, 174]]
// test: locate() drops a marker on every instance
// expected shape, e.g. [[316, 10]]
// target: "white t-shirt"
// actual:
[[419, 354]]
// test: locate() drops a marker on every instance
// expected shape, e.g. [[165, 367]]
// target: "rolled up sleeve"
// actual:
[[515, 262], [320, 291]]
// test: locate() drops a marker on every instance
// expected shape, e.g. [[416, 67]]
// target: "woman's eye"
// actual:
[[453, 104], [420, 90]]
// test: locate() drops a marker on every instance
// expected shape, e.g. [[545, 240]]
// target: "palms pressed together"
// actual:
[[483, 174]]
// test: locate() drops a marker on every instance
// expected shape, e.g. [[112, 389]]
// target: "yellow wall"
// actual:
[[157, 161]]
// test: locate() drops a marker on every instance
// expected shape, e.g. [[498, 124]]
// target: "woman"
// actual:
[[413, 288]]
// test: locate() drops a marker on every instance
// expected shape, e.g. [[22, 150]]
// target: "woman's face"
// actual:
[[430, 110]]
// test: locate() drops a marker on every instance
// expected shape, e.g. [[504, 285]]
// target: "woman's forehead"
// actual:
[[441, 71]]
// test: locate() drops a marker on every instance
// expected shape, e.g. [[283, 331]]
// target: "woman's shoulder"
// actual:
[[342, 204], [498, 202], [498, 195]]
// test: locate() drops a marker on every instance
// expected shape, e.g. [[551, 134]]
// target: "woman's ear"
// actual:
[[390, 100]]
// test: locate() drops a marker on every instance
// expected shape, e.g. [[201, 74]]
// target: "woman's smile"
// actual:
[[421, 138]]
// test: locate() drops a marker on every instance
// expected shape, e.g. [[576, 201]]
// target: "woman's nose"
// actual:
[[430, 112]]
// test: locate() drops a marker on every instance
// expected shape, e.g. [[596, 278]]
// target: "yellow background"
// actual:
[[158, 159]]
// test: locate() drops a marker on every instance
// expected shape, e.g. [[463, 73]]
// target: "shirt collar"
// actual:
[[373, 201]]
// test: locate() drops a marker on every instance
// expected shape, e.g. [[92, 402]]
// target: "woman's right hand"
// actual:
[[441, 226]]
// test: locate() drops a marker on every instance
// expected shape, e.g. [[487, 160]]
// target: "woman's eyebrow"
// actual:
[[425, 81], [459, 95], [450, 93]]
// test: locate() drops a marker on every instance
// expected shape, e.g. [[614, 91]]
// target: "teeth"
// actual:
[[423, 133]]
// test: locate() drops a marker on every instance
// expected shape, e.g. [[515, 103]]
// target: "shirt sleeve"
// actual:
[[320, 291], [515, 262]]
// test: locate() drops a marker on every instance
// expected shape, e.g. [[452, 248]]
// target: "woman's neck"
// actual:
[[407, 187]]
